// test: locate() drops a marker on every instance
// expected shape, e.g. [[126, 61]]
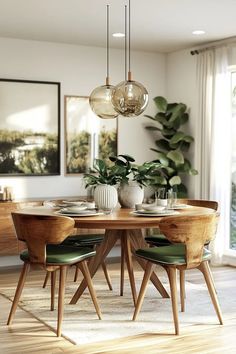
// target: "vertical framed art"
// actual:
[[29, 128], [86, 136]]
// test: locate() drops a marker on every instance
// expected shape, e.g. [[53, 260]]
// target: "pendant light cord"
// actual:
[[107, 78], [129, 73], [125, 42]]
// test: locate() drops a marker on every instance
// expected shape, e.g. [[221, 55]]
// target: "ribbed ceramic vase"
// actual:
[[105, 197], [130, 194]]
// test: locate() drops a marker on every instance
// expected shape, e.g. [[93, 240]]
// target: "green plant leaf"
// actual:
[[163, 159], [150, 117], [161, 118], [161, 103], [167, 132], [178, 111], [193, 172], [151, 127], [184, 118], [171, 107], [177, 137], [188, 139], [176, 156], [175, 180], [182, 191], [162, 144]]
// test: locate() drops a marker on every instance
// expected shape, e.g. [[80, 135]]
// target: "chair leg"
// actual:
[[46, 279], [171, 271], [122, 268], [146, 277], [182, 289], [62, 282], [107, 276], [18, 292], [53, 283], [76, 273], [84, 269], [205, 269]]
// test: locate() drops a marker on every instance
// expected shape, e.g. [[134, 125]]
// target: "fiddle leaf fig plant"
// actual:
[[172, 143]]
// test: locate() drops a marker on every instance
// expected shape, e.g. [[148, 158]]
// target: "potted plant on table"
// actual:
[[104, 181], [133, 177]]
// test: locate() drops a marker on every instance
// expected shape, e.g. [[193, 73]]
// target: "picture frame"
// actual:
[[86, 136], [29, 128]]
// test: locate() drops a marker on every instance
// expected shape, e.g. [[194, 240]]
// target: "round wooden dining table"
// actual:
[[126, 226]]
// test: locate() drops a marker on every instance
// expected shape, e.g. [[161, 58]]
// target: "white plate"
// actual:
[[89, 213], [159, 213]]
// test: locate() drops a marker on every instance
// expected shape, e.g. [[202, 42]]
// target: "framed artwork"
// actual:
[[87, 136], [29, 128]]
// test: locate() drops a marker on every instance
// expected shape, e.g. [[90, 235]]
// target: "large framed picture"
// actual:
[[87, 136], [29, 128]]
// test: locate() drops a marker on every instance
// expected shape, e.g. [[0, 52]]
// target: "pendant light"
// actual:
[[130, 97], [100, 98]]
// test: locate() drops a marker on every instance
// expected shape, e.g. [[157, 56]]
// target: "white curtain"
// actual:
[[214, 135]]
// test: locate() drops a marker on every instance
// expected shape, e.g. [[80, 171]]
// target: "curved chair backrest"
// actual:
[[39, 230], [201, 203], [192, 230]]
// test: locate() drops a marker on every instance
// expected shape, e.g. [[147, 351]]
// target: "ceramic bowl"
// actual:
[[152, 207]]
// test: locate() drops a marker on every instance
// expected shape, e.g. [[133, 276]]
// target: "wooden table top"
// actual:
[[121, 218]]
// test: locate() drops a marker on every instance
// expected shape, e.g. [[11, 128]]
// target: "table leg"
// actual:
[[122, 266], [102, 251], [137, 241], [129, 263]]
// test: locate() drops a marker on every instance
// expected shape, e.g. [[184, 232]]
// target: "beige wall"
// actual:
[[80, 69]]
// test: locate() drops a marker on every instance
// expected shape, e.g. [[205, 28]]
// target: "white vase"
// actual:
[[105, 197], [130, 194]]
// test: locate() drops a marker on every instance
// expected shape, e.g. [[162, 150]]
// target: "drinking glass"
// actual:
[[171, 198]]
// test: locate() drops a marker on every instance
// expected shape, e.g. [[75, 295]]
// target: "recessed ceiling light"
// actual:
[[198, 32], [118, 35]]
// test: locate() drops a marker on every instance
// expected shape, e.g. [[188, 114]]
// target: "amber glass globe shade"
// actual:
[[130, 98], [100, 102]]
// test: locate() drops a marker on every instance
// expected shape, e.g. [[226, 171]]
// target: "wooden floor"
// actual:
[[28, 335]]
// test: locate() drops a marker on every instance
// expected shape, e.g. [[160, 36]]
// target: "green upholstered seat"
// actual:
[[157, 240], [172, 254], [62, 254], [84, 240]]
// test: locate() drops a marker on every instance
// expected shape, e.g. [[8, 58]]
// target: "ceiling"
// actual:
[[156, 25]]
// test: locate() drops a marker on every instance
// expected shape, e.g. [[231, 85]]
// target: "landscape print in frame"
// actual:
[[87, 136], [29, 128]]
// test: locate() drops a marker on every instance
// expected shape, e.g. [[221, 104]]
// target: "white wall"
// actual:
[[80, 69], [181, 87]]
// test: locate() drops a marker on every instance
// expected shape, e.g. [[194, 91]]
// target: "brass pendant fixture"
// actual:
[[100, 99], [130, 98]]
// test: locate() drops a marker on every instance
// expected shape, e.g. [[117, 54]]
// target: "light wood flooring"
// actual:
[[28, 335]]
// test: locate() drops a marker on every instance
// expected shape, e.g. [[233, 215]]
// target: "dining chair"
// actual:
[[43, 236], [91, 241], [158, 239], [188, 236]]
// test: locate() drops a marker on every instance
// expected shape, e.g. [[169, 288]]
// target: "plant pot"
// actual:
[[130, 194], [105, 197]]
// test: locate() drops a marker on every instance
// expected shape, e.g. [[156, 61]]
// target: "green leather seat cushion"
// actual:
[[173, 254], [84, 240], [158, 240], [57, 254]]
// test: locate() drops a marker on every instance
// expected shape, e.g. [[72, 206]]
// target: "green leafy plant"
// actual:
[[145, 174], [172, 144], [122, 170], [103, 174]]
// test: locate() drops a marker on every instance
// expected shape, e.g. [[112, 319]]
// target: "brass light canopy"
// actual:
[[130, 98], [100, 99]]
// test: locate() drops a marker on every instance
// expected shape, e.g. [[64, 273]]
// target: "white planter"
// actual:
[[105, 197], [130, 194]]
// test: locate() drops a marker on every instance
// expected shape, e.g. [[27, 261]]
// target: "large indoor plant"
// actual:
[[172, 143]]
